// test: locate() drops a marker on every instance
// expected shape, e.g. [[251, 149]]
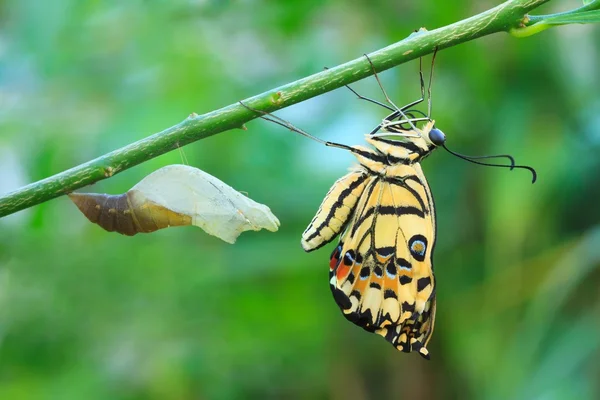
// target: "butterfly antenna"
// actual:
[[422, 81], [512, 165], [508, 156], [286, 124]]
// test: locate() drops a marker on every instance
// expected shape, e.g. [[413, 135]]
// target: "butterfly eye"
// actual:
[[437, 137]]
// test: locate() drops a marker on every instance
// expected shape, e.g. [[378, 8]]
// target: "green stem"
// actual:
[[529, 30], [502, 18]]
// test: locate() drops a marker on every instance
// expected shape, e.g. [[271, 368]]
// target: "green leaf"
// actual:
[[586, 17], [541, 23]]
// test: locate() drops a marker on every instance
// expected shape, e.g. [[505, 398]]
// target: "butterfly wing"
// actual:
[[381, 271], [335, 210]]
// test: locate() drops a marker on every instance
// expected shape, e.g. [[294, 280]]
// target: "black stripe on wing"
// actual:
[[388, 210], [335, 206], [401, 183]]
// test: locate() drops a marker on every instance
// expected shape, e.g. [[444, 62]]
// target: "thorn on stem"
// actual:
[[108, 172], [418, 32], [277, 98]]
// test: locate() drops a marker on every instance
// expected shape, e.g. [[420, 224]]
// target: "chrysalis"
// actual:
[[177, 195]]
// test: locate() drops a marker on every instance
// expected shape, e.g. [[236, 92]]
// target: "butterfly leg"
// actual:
[[422, 81], [395, 112], [430, 82], [286, 124], [361, 97], [400, 112], [412, 104]]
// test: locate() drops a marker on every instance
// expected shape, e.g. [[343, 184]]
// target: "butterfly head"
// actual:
[[437, 137], [406, 141], [432, 136]]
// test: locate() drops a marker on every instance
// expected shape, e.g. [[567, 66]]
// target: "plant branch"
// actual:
[[505, 17]]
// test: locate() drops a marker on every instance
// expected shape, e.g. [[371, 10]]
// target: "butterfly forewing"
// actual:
[[337, 207]]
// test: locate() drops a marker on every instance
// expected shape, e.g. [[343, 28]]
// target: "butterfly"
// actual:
[[381, 272]]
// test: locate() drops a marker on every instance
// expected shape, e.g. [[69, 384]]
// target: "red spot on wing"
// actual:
[[335, 258]]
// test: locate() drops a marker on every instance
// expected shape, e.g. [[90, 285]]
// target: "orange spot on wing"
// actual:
[[342, 272], [375, 279], [360, 284], [390, 283], [382, 260]]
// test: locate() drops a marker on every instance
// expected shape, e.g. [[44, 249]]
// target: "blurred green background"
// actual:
[[178, 314]]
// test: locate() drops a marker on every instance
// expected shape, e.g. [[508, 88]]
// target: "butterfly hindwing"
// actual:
[[381, 271]]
